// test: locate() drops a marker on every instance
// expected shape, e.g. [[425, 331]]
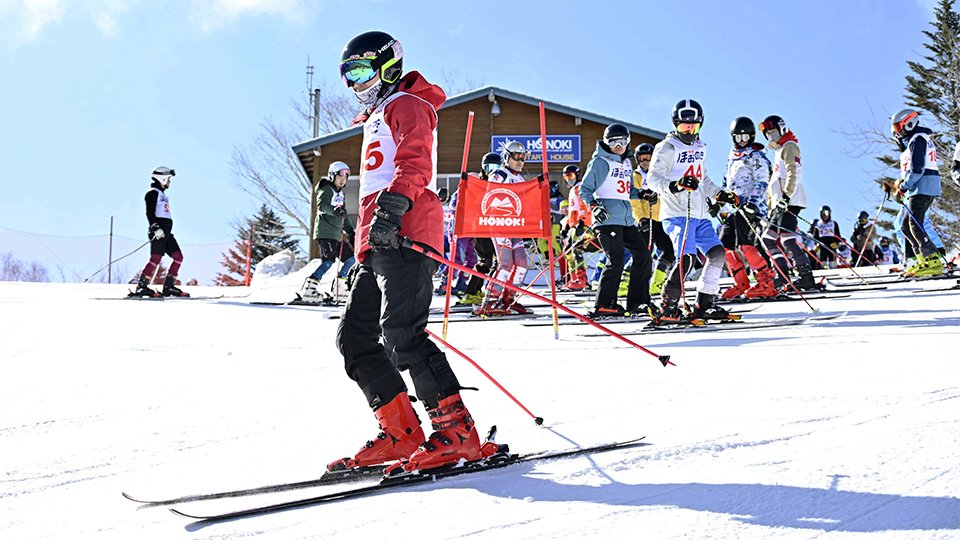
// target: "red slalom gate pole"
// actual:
[[546, 177], [407, 243], [537, 419], [454, 240]]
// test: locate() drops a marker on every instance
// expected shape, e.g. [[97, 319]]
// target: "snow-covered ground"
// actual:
[[840, 429]]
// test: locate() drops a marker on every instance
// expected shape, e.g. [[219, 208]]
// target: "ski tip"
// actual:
[[538, 420], [130, 497], [176, 512]]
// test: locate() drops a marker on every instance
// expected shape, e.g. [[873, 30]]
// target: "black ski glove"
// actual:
[[155, 232], [340, 211], [387, 220], [713, 208], [649, 195], [751, 212], [688, 183], [644, 225], [783, 203], [600, 213], [728, 197]]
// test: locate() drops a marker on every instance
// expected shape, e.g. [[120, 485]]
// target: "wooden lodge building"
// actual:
[[499, 115]]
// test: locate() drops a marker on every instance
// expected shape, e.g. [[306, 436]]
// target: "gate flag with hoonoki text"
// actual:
[[488, 209]]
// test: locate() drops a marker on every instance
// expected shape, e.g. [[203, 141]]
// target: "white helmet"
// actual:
[[162, 175], [335, 168], [904, 122], [512, 150]]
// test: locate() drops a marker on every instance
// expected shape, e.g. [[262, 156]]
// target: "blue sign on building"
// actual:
[[560, 148]]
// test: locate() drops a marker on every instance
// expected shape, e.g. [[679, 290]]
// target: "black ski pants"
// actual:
[[613, 239], [390, 299], [912, 227]]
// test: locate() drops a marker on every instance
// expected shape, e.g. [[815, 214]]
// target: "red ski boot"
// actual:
[[400, 435], [454, 438], [764, 287], [740, 280], [509, 301]]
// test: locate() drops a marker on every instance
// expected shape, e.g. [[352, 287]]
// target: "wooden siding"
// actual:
[[516, 118]]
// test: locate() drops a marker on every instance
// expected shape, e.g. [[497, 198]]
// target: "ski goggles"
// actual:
[[898, 126], [688, 128], [490, 167], [741, 137], [569, 175], [517, 156], [357, 71], [617, 141]]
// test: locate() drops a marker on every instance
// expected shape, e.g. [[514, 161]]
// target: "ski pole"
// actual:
[[921, 229], [835, 254], [853, 249], [407, 243], [785, 277], [115, 260], [536, 419], [872, 226]]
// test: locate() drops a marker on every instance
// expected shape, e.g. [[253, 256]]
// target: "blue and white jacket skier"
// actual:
[[748, 174], [918, 165], [609, 181]]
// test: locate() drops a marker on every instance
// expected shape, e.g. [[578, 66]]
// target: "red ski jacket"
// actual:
[[412, 123]]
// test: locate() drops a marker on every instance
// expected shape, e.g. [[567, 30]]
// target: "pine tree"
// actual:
[[934, 88], [269, 237]]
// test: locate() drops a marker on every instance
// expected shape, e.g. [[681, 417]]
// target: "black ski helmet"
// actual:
[[369, 54], [773, 122], [491, 161], [863, 217], [554, 189], [687, 111], [643, 148], [825, 213], [742, 125], [575, 171], [617, 134]]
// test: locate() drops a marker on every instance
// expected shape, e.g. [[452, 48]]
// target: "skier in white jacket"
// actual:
[[678, 173]]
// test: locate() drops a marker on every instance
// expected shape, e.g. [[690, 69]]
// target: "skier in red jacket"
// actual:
[[383, 328]]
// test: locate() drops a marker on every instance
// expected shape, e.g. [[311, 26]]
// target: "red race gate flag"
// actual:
[[489, 209]]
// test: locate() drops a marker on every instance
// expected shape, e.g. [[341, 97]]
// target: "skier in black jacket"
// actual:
[[160, 234]]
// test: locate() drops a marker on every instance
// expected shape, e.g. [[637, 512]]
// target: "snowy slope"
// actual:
[[840, 429]]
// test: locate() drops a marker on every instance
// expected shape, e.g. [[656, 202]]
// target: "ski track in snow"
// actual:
[[832, 430]]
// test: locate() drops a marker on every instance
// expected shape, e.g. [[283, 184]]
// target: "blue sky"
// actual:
[[93, 94]]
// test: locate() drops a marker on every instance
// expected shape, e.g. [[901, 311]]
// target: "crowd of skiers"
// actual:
[[652, 205], [666, 209]]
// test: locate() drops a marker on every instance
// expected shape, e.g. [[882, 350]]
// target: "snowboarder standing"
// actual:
[[678, 173], [328, 227], [160, 234], [607, 188], [786, 198], [383, 327], [748, 173]]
